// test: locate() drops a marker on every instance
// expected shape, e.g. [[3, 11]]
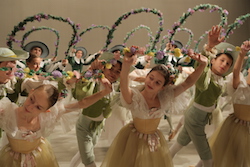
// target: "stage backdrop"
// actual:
[[106, 12]]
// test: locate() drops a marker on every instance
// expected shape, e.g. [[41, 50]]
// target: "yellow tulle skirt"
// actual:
[[128, 150], [42, 156], [230, 144]]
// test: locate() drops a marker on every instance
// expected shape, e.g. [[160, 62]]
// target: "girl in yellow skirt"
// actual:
[[230, 144], [27, 125], [140, 143]]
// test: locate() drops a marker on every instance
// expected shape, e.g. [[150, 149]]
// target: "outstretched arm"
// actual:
[[90, 100], [245, 47], [192, 78]]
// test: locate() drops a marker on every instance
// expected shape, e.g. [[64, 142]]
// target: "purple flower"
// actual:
[[132, 50], [159, 57], [19, 74], [113, 61], [240, 22], [56, 74], [88, 74]]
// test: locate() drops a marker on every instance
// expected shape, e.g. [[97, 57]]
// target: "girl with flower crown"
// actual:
[[207, 91], [140, 143]]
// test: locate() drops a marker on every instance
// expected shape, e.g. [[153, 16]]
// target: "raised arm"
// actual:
[[124, 78], [214, 37], [245, 47], [192, 78]]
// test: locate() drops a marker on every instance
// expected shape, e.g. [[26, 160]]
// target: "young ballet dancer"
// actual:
[[230, 144], [140, 143], [207, 90], [26, 126], [33, 121]]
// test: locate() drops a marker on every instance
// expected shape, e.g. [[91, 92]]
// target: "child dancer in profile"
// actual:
[[140, 143]]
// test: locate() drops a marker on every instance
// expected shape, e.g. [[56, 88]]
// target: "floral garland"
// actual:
[[200, 8], [38, 17], [94, 27], [191, 36], [129, 34], [92, 74], [136, 11], [41, 28], [237, 23], [27, 73], [134, 50]]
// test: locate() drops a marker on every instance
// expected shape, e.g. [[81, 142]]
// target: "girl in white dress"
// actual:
[[140, 143]]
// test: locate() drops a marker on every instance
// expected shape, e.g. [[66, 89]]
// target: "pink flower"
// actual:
[[38, 17], [225, 11], [78, 26], [191, 11], [76, 74]]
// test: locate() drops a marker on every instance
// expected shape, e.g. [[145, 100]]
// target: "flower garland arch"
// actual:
[[131, 33], [93, 26], [237, 23], [199, 8], [42, 28], [38, 17], [190, 39], [136, 11]]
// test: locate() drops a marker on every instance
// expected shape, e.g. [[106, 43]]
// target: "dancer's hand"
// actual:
[[214, 37], [198, 57], [245, 47], [107, 85]]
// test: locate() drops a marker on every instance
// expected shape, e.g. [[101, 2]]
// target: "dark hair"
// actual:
[[36, 47], [227, 54], [113, 51], [52, 92], [79, 50], [164, 71], [31, 57]]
